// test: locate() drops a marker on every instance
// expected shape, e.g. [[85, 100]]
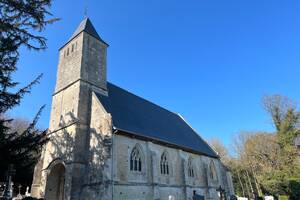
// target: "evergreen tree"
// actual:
[[270, 161], [21, 21], [286, 119]]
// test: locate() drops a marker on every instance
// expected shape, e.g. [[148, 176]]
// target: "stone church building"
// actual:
[[109, 144]]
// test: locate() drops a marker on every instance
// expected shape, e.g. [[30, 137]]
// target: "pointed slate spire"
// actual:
[[87, 26]]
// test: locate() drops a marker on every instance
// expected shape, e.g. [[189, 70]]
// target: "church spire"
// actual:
[[87, 26]]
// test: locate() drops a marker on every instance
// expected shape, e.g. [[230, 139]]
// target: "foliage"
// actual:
[[294, 188], [268, 163], [20, 25], [18, 19], [283, 197], [20, 146], [285, 118], [219, 148]]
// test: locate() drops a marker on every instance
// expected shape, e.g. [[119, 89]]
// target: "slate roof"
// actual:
[[137, 116], [86, 26]]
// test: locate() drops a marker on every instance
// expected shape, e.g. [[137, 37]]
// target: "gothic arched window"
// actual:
[[213, 172], [191, 168], [135, 160], [164, 165]]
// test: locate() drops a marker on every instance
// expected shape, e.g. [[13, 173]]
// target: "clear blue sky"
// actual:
[[211, 61]]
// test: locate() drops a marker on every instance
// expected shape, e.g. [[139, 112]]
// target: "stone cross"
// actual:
[[8, 189], [221, 192]]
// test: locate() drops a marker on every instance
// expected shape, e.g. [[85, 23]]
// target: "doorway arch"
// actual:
[[55, 182]]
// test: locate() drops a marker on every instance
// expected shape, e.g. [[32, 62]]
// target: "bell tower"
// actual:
[[60, 173], [83, 58]]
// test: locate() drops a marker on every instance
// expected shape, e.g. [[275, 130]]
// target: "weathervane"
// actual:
[[85, 12]]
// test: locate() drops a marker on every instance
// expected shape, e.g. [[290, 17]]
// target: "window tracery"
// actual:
[[164, 164], [135, 160]]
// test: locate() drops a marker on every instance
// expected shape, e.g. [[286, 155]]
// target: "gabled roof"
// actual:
[[137, 116]]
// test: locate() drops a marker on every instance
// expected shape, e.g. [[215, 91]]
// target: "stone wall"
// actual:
[[98, 175], [83, 58], [151, 184], [109, 176]]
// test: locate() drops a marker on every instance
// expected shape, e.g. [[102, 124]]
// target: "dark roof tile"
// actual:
[[138, 116], [86, 26]]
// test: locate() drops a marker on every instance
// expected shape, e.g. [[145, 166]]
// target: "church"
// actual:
[[109, 144]]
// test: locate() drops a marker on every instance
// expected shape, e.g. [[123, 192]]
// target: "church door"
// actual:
[[55, 183]]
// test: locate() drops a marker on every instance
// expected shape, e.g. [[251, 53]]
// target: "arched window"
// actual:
[[213, 172], [191, 168], [135, 160], [164, 165]]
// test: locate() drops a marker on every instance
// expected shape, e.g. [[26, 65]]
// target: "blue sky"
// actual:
[[211, 61]]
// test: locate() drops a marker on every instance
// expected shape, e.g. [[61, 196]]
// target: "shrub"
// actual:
[[294, 186], [283, 197]]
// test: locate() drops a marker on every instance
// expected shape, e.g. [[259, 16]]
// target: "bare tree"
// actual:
[[18, 125], [219, 147]]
